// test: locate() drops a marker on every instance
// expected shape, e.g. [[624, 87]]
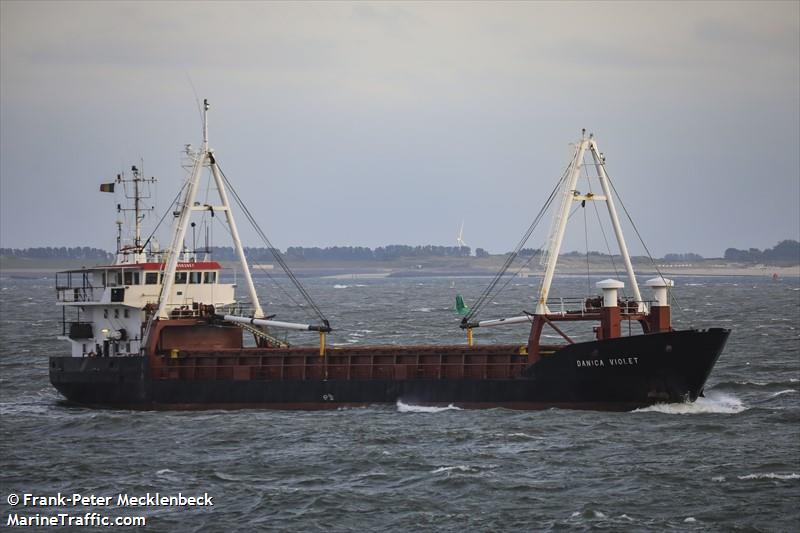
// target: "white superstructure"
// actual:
[[108, 304]]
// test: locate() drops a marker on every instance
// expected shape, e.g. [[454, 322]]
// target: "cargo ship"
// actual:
[[159, 329]]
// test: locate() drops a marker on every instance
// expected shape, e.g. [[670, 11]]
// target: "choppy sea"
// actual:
[[729, 462]]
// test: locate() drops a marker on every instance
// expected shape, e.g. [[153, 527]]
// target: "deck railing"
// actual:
[[79, 294], [592, 305]]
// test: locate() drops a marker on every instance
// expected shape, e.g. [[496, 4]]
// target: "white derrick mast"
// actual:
[[202, 159], [569, 195]]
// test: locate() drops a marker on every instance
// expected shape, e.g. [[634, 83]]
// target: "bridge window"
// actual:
[[194, 277], [131, 277], [151, 278], [209, 277], [180, 277], [114, 278]]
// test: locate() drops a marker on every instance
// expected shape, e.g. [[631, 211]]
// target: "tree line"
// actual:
[[784, 251], [55, 252]]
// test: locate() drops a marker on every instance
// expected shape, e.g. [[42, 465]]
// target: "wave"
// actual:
[[714, 403], [226, 477], [781, 393], [590, 513], [778, 385], [337, 286], [405, 408], [771, 475], [448, 469]]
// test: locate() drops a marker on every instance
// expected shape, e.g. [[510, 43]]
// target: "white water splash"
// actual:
[[714, 403], [404, 408], [690, 519], [448, 469], [337, 286], [771, 475], [718, 479]]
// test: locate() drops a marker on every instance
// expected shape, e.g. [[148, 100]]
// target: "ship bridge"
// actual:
[[138, 284], [109, 303]]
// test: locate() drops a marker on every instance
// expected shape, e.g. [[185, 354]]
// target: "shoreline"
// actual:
[[361, 272]]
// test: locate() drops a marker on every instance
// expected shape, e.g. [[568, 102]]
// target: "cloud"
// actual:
[[448, 98]]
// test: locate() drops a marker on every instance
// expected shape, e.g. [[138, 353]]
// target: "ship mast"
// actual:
[[569, 195], [136, 249], [203, 159]]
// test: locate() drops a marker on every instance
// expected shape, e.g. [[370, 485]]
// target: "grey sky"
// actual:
[[378, 123]]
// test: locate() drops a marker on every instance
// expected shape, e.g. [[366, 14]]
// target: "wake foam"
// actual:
[[771, 475], [405, 408], [714, 403]]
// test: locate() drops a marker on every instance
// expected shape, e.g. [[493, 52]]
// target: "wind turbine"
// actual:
[[460, 238]]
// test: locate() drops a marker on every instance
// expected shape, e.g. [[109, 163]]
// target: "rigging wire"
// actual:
[[526, 263], [174, 202], [586, 228], [586, 244], [605, 239], [639, 236], [272, 279], [275, 252], [488, 291]]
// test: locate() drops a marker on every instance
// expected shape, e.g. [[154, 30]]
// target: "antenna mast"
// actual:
[[139, 212]]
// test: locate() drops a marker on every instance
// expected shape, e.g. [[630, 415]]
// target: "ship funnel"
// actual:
[[660, 288], [610, 288]]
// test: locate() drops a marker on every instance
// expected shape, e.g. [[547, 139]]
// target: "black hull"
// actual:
[[615, 374]]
